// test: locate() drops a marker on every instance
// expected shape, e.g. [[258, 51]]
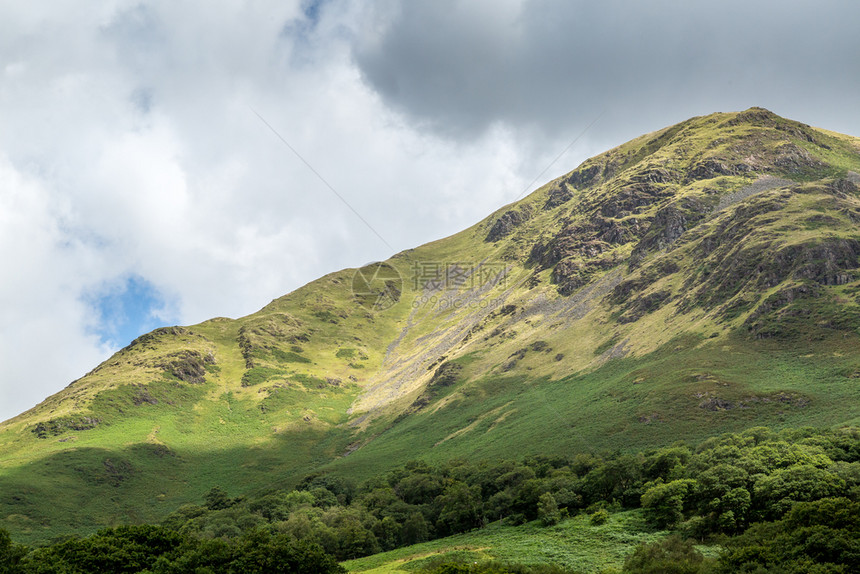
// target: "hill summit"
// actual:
[[701, 278]]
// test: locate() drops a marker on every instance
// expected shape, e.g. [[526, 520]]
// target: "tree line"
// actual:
[[757, 493]]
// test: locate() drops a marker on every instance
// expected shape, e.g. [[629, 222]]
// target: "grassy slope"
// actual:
[[630, 403], [574, 543], [329, 376]]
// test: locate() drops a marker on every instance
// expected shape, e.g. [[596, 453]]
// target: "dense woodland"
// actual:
[[786, 501]]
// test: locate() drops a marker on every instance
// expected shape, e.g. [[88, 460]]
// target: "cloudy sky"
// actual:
[[146, 175]]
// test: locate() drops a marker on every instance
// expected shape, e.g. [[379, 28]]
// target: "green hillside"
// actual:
[[576, 544], [699, 279]]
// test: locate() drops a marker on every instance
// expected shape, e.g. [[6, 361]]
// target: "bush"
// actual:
[[664, 503], [600, 517], [10, 554], [672, 555], [548, 511]]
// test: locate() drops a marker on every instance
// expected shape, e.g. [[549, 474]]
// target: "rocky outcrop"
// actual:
[[157, 334], [715, 167], [570, 275], [632, 199], [188, 366], [61, 425], [793, 159], [506, 224], [558, 196], [585, 176]]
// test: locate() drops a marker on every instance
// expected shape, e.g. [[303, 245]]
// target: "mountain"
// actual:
[[698, 279]]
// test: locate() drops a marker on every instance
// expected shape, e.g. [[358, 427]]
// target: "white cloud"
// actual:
[[131, 147], [43, 338], [130, 144]]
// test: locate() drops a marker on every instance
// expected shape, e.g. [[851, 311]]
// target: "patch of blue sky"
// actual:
[[127, 308], [300, 30]]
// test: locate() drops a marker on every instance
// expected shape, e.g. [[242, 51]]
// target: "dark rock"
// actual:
[[640, 306], [734, 265], [558, 196], [631, 198], [829, 262], [612, 232], [716, 404], [584, 176], [570, 274], [844, 187], [116, 471], [540, 346], [158, 333], [188, 366], [714, 167], [794, 159], [446, 375], [755, 116], [143, 396], [656, 175], [666, 227], [583, 239], [62, 425], [506, 224]]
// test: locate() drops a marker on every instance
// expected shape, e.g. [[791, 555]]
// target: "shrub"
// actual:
[[599, 517]]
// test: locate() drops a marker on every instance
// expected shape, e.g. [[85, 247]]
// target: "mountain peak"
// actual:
[[657, 290]]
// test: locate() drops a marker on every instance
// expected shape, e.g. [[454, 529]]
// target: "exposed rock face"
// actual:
[[256, 337], [189, 366], [558, 196], [506, 224], [143, 396], [794, 159], [713, 167], [570, 275], [666, 227], [153, 336], [585, 176], [632, 198], [58, 426], [764, 266]]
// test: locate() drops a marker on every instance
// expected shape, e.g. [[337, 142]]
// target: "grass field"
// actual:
[[574, 543], [628, 404]]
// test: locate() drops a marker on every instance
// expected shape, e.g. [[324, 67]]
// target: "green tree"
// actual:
[[420, 488], [814, 537], [548, 511], [127, 549], [672, 555], [617, 479], [264, 553], [666, 461], [387, 532], [415, 529], [217, 499], [460, 507], [730, 511], [664, 503], [777, 492], [600, 516], [10, 554]]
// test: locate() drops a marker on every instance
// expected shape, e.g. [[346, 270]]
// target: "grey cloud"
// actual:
[[548, 63]]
